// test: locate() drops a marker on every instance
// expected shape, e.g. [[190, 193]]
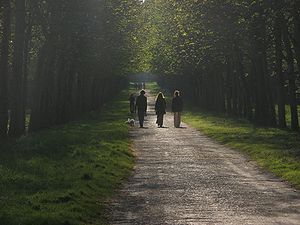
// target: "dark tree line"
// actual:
[[238, 57], [59, 59]]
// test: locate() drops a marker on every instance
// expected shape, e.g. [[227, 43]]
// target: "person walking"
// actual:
[[177, 107], [141, 106], [131, 103], [160, 108]]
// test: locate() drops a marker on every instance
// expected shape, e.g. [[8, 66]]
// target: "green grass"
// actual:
[[153, 87], [275, 150], [64, 175], [288, 114]]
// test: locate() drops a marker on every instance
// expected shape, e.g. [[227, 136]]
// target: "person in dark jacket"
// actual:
[[177, 107], [141, 106], [160, 108], [131, 103]]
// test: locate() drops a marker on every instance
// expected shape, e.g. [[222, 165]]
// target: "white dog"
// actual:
[[130, 122]]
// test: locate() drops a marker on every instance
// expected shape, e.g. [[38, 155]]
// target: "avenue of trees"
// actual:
[[238, 57], [62, 58], [59, 59]]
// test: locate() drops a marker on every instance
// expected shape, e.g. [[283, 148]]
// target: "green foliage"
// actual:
[[65, 175], [274, 149], [223, 54]]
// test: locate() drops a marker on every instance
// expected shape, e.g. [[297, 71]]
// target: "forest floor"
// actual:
[[184, 177]]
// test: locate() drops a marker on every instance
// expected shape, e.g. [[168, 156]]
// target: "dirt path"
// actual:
[[183, 177]]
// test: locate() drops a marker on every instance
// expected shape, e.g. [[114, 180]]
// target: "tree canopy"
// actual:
[[239, 57]]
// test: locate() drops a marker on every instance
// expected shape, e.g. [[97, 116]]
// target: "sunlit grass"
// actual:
[[288, 114], [66, 174]]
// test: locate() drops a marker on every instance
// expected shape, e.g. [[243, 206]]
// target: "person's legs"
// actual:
[[176, 119], [141, 116], [160, 120], [179, 119]]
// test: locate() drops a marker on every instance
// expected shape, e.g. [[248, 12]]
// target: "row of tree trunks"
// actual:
[[41, 115], [238, 100], [256, 42], [62, 91], [67, 50]]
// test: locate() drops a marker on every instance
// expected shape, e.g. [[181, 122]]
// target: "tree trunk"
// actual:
[[43, 107], [296, 39], [221, 97], [27, 45], [234, 91], [38, 96], [4, 68], [280, 79], [292, 81], [228, 85], [17, 116], [245, 100], [264, 106]]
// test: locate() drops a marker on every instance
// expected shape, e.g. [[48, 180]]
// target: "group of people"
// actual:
[[140, 105]]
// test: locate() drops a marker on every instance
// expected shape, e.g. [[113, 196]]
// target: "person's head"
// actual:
[[176, 93], [142, 92], [160, 95]]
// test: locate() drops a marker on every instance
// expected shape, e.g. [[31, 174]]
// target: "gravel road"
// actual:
[[183, 177]]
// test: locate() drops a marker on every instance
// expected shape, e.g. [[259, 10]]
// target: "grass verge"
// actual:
[[64, 175], [275, 150]]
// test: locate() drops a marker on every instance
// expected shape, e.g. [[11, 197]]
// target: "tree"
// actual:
[[279, 69], [17, 114], [6, 8]]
